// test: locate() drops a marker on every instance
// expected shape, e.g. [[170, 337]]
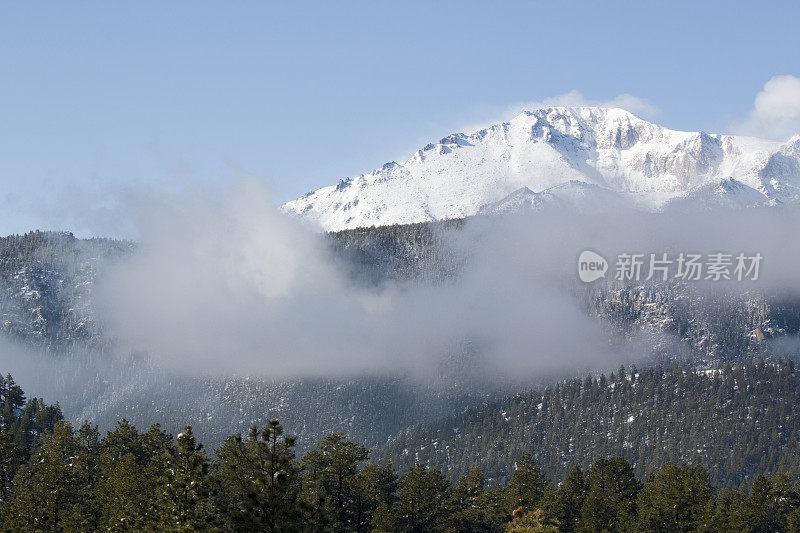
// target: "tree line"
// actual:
[[59, 478]]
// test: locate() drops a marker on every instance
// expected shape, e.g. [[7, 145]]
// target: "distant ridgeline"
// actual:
[[47, 281]]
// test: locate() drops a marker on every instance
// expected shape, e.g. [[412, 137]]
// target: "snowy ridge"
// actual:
[[573, 194], [576, 157], [727, 193]]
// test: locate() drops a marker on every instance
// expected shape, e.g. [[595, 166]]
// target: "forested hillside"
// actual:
[[702, 327], [46, 288], [47, 285], [738, 422], [220, 406], [46, 301], [401, 252], [711, 327]]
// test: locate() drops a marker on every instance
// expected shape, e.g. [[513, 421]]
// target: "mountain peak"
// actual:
[[585, 114], [608, 148]]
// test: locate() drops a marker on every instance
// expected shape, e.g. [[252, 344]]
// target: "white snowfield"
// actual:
[[586, 158]]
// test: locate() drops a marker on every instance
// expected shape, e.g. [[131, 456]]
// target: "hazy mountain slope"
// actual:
[[46, 287], [48, 317], [105, 392], [59, 317], [540, 149]]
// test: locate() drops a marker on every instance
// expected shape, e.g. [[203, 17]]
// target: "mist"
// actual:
[[231, 286]]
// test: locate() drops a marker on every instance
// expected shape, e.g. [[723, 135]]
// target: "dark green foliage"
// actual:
[[129, 467], [676, 498], [420, 505], [374, 486], [330, 472], [768, 507], [527, 484], [51, 491], [130, 481], [184, 495], [11, 398], [470, 507], [611, 490], [258, 482], [22, 424], [564, 505], [532, 522], [12, 456]]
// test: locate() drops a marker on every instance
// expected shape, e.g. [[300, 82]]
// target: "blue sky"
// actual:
[[104, 98]]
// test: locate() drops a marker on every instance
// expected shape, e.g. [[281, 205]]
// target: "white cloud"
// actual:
[[229, 284], [776, 110], [634, 104]]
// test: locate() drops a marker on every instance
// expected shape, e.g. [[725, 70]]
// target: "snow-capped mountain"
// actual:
[[575, 156]]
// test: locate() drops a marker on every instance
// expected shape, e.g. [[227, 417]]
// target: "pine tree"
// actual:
[[52, 491], [610, 502], [564, 505], [129, 470], [12, 457], [258, 482], [372, 486], [123, 503], [331, 468], [468, 507], [676, 498], [768, 506], [12, 398], [727, 501], [184, 490], [420, 507], [526, 486]]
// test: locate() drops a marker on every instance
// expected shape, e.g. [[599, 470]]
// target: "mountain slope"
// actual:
[[573, 194], [51, 337], [736, 421], [609, 148], [46, 287], [727, 193], [47, 301]]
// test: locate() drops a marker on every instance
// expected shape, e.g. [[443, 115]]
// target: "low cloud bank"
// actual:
[[230, 285]]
